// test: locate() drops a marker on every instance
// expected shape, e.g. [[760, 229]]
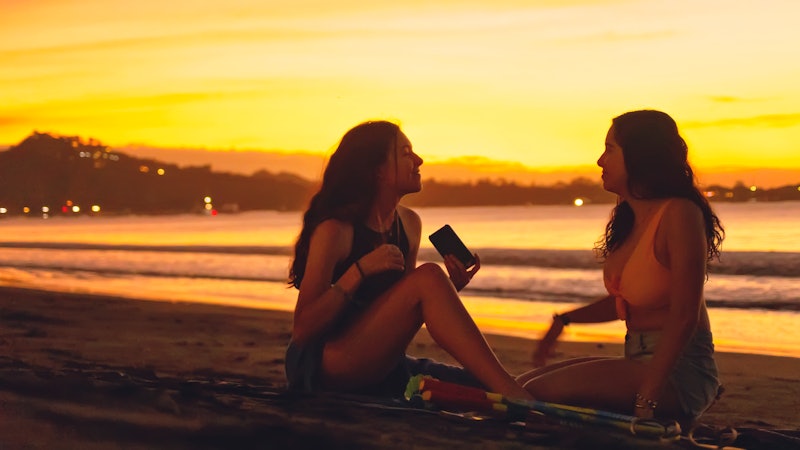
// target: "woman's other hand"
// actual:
[[547, 344], [386, 257], [643, 413], [459, 274]]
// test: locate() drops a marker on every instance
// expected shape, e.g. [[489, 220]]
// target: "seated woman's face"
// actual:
[[401, 170], [612, 161]]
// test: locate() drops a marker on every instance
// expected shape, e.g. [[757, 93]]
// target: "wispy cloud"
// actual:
[[6, 121], [761, 121], [735, 99], [617, 37], [726, 99]]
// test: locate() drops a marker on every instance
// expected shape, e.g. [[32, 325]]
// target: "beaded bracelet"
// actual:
[[640, 402]]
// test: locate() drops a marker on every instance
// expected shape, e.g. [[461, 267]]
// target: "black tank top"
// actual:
[[365, 240]]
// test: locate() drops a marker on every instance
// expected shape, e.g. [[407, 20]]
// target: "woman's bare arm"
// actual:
[[318, 304], [682, 233]]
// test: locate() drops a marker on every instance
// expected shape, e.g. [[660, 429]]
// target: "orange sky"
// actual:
[[527, 82]]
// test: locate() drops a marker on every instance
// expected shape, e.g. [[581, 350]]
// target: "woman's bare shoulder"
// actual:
[[333, 230], [681, 209], [409, 216], [683, 218]]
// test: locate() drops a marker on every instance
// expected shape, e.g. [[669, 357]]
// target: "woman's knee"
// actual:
[[430, 272], [428, 278]]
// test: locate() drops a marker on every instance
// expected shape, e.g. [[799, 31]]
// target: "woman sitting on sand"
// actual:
[[660, 236], [362, 297]]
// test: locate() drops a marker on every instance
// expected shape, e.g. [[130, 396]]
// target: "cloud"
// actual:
[[766, 120], [100, 105], [615, 37], [6, 121], [168, 40], [734, 99], [726, 99]]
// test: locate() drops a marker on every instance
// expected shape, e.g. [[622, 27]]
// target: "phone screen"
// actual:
[[447, 242]]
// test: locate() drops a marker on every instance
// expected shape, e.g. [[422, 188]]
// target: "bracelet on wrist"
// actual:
[[360, 270], [641, 402], [563, 318]]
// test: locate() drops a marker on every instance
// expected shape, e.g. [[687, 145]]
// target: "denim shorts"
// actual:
[[694, 377]]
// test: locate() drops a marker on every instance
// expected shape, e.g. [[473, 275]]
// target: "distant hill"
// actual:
[[244, 162], [59, 173]]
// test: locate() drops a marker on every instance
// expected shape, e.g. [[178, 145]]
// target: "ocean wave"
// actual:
[[213, 249], [751, 263], [723, 299], [574, 286], [118, 272], [536, 288]]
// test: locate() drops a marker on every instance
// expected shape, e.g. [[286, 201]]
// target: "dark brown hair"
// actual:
[[349, 184], [656, 162]]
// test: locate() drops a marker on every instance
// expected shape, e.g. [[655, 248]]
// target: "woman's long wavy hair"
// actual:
[[349, 184], [655, 157]]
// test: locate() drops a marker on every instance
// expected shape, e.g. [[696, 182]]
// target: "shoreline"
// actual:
[[70, 334], [756, 331]]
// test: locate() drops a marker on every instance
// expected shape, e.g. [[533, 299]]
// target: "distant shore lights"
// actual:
[[209, 208]]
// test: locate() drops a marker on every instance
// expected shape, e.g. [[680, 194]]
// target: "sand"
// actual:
[[93, 372]]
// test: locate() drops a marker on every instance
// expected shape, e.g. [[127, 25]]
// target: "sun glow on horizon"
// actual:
[[501, 80]]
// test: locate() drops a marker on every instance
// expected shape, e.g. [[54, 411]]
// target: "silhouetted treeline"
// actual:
[[47, 174], [493, 192]]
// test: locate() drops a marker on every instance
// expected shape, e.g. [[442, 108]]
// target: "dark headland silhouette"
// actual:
[[66, 175]]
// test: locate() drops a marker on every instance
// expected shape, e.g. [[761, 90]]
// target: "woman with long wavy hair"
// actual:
[[362, 298], [660, 237]]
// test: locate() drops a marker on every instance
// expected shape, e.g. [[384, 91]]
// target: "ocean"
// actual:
[[535, 260]]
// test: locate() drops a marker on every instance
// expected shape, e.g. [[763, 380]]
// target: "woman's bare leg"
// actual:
[[531, 374], [604, 383], [370, 348]]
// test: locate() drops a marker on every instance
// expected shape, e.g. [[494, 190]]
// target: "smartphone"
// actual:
[[447, 242]]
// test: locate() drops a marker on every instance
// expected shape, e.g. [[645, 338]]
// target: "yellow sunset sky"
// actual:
[[530, 82]]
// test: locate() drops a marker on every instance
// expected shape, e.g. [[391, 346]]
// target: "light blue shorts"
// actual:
[[694, 377]]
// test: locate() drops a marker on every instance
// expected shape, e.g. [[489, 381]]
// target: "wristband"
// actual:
[[563, 318], [360, 270]]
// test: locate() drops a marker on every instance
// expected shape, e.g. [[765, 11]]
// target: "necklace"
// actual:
[[390, 235]]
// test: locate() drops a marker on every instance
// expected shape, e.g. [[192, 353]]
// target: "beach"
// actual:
[[88, 371]]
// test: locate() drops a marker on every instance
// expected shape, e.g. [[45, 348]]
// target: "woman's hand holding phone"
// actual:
[[461, 264], [459, 274]]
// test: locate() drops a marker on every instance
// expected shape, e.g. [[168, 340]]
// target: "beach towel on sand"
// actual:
[[97, 403], [428, 392]]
